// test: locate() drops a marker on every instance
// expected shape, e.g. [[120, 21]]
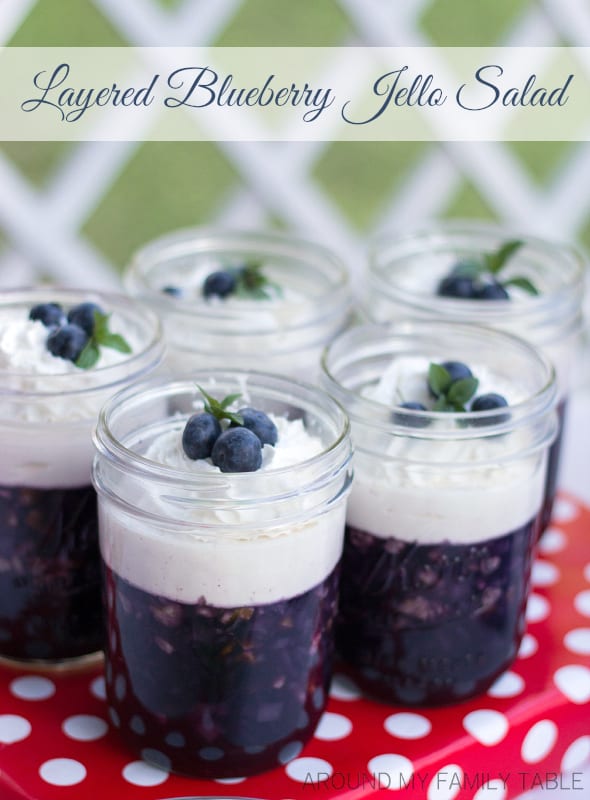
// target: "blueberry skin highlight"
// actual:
[[83, 316], [491, 291], [67, 342], [457, 286], [219, 284], [237, 450], [259, 423], [457, 370], [199, 435], [50, 314]]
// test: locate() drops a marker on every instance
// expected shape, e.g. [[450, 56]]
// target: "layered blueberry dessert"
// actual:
[[227, 296], [50, 356], [477, 273], [440, 534], [220, 632]]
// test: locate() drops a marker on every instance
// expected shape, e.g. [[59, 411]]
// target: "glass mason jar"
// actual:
[[444, 509], [50, 603], [221, 588], [285, 331], [405, 271]]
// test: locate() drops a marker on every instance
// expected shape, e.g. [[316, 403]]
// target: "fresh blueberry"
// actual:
[[67, 341], [173, 291], [50, 314], [237, 450], [411, 420], [260, 424], [460, 286], [200, 434], [491, 291], [83, 316], [457, 370], [487, 402], [219, 284]]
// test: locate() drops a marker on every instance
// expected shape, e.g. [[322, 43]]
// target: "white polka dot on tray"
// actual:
[[489, 727], [578, 641], [139, 773], [539, 741], [407, 725], [574, 682], [13, 728], [492, 790], [537, 608], [98, 688], [446, 784], [85, 728], [333, 727], [509, 684], [544, 573], [564, 510], [32, 687], [552, 541], [528, 646], [62, 772], [229, 781], [309, 770], [344, 688], [582, 602], [576, 755], [392, 770]]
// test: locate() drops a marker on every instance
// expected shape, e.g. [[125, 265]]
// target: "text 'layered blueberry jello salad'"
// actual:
[[486, 275], [451, 427], [234, 298], [61, 354], [222, 511]]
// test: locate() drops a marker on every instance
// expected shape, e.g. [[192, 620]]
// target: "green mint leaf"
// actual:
[[89, 355], [496, 261], [468, 268], [522, 283], [439, 379], [252, 284], [218, 408], [462, 391], [103, 337], [442, 404]]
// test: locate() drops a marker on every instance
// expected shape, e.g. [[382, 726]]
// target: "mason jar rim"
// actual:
[[458, 425], [154, 349], [203, 240], [110, 447], [388, 249]]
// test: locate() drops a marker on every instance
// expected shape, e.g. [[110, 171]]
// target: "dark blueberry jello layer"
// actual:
[[218, 692], [432, 624], [49, 573], [553, 460]]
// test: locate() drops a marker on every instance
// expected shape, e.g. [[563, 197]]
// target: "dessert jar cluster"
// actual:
[[445, 506], [50, 600], [242, 299], [486, 275], [220, 585]]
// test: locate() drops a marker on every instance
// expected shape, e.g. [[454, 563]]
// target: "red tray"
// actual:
[[531, 728]]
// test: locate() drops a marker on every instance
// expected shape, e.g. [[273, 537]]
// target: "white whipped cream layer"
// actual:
[[46, 438], [459, 491], [263, 561]]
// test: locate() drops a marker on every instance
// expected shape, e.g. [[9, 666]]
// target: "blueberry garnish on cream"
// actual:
[[78, 336], [452, 387], [247, 282], [238, 447], [478, 278]]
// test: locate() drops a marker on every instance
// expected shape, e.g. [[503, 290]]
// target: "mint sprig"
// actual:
[[218, 408], [102, 336], [493, 263], [450, 395], [251, 283]]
